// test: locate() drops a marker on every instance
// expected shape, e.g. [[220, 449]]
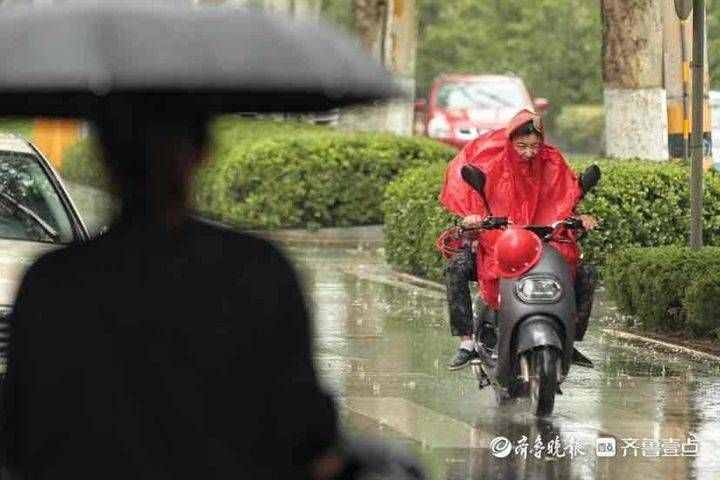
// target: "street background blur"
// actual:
[[351, 195]]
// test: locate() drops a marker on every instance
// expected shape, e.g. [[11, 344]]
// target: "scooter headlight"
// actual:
[[539, 290]]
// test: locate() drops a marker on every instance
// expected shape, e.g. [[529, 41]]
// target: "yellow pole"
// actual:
[[52, 137]]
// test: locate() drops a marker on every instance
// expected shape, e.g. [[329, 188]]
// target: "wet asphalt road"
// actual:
[[381, 347]]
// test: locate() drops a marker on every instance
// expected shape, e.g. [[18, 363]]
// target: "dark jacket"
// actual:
[[149, 354]]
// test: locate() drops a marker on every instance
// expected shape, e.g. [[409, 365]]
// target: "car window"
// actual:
[[24, 180], [486, 94]]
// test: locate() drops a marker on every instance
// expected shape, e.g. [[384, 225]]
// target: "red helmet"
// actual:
[[517, 250]]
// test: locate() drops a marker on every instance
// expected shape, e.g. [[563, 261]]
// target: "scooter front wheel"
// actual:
[[503, 399], [543, 380]]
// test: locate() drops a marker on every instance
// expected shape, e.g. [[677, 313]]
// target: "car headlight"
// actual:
[[543, 289], [439, 127]]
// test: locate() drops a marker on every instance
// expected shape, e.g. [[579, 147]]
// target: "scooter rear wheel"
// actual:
[[543, 380]]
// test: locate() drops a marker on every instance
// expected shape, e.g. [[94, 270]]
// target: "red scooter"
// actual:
[[526, 347]]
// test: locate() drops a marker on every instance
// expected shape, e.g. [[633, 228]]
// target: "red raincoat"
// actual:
[[538, 192]]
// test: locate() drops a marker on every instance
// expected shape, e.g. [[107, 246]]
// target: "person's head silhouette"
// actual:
[[150, 158]]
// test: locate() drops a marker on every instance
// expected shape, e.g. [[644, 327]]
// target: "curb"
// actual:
[[673, 347], [417, 281]]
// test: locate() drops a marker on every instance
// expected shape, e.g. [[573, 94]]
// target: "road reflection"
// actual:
[[381, 349]]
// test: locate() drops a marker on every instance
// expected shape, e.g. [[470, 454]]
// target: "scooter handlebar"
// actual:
[[490, 223], [493, 223]]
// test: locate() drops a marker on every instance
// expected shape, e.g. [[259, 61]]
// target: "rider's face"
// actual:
[[527, 146]]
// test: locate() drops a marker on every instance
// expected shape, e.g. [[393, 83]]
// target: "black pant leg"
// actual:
[[459, 271], [585, 282]]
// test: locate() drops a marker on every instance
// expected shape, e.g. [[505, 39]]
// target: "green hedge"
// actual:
[[667, 289], [581, 128], [271, 174], [639, 203], [82, 164], [702, 303], [413, 221], [18, 125], [326, 179]]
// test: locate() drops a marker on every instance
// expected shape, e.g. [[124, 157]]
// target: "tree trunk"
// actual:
[[632, 43], [635, 100], [387, 29], [371, 20]]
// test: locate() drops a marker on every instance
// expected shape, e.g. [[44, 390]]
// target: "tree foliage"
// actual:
[[554, 45]]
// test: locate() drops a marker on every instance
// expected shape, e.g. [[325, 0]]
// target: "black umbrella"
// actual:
[[66, 60]]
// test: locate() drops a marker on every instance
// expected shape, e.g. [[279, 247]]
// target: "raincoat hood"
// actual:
[[539, 191]]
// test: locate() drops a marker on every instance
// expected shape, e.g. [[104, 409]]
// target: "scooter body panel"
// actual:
[[537, 331], [558, 319]]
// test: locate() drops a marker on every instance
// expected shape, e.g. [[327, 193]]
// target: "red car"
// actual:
[[462, 107]]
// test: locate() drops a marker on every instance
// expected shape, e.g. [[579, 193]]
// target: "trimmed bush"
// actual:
[[269, 174], [83, 164], [702, 303], [18, 125], [581, 128], [413, 221], [310, 180], [667, 289], [639, 204]]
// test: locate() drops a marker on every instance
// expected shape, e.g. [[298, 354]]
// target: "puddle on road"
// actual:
[[381, 350]]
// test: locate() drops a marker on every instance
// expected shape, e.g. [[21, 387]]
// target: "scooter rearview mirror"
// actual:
[[590, 178], [474, 177]]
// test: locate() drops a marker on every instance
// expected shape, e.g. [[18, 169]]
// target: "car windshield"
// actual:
[[466, 95], [27, 192]]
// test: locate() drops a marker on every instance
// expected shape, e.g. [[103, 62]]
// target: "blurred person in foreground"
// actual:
[[170, 347], [528, 181]]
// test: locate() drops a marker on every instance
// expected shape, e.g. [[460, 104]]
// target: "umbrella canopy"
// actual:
[[67, 60]]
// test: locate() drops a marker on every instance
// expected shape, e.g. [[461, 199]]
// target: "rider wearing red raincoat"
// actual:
[[527, 181]]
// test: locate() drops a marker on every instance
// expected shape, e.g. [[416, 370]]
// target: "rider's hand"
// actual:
[[472, 219], [589, 222]]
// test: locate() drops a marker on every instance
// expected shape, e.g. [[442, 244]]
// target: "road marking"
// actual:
[[429, 428]]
